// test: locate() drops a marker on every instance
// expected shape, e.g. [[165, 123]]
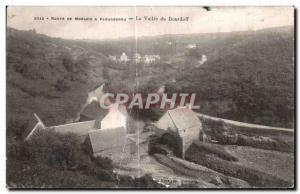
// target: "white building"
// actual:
[[191, 46], [124, 57], [137, 57], [202, 60], [148, 59], [115, 118], [151, 58], [157, 57]]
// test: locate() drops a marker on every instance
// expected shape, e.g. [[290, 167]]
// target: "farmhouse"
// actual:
[[101, 128], [81, 129], [184, 122]]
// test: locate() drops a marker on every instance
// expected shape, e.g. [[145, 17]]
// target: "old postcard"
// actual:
[[150, 97]]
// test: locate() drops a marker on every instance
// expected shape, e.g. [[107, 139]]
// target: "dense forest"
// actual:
[[250, 78]]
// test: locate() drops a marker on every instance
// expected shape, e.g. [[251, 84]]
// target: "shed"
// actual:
[[184, 122], [102, 140]]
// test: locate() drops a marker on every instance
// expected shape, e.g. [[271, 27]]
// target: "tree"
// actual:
[[105, 73]]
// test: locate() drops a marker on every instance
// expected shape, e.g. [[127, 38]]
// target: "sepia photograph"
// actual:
[[150, 97]]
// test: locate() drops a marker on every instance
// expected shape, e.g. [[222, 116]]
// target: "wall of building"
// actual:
[[188, 136], [114, 119], [101, 140], [81, 129], [166, 122]]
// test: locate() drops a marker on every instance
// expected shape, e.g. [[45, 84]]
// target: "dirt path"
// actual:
[[172, 172], [205, 176]]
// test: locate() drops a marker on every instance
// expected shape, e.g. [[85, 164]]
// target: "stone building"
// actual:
[[184, 122]]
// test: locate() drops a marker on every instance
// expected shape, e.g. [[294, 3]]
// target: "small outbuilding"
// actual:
[[81, 129], [184, 122], [103, 140]]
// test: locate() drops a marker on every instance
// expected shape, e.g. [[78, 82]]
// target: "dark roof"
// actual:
[[184, 118], [103, 139], [93, 112]]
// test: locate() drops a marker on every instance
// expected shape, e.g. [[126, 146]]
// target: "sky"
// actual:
[[218, 19]]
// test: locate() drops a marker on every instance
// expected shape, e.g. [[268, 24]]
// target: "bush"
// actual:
[[62, 85], [103, 162], [51, 156], [220, 131], [167, 143], [172, 140], [266, 143], [158, 149], [214, 149], [104, 175], [252, 176]]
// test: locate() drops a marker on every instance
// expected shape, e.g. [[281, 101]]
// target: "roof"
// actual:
[[93, 112], [120, 107], [81, 128], [98, 91], [104, 139], [184, 118]]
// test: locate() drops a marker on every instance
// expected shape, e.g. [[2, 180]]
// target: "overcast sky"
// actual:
[[219, 19]]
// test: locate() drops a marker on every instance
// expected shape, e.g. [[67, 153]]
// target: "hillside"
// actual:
[[43, 73], [248, 77]]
